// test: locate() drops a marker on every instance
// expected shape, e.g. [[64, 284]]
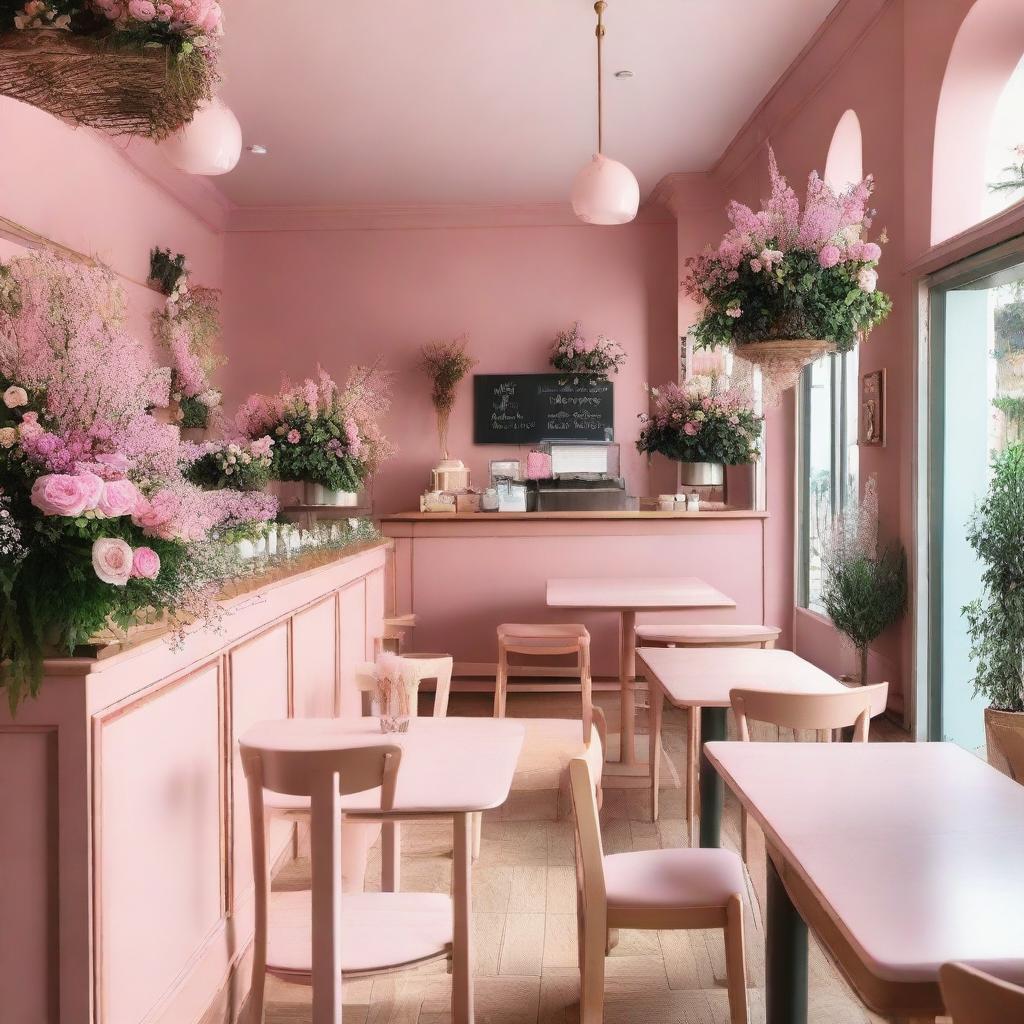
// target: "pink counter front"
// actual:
[[462, 575], [125, 883]]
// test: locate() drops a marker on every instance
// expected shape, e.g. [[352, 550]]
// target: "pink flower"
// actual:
[[756, 265], [153, 516], [29, 428], [735, 312], [294, 437], [115, 462], [119, 498], [145, 564], [142, 10], [691, 428], [112, 560], [58, 494], [871, 251], [829, 256], [15, 397], [261, 446], [93, 485]]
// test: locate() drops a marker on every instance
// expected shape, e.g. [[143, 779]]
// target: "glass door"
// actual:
[[976, 352]]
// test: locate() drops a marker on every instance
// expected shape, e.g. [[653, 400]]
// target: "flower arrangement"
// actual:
[[706, 419], [445, 363], [44, 41], [322, 434], [863, 592], [784, 273], [572, 353], [188, 328], [240, 465], [108, 530]]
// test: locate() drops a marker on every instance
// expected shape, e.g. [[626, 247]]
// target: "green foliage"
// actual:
[[166, 269], [797, 298], [995, 621], [1008, 323], [312, 457], [230, 466], [194, 413], [1011, 408], [719, 440], [864, 596]]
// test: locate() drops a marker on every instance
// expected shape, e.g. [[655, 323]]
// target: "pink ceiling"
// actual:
[[476, 101]]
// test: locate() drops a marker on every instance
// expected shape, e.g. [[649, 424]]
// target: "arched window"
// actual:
[[974, 122], [1004, 159], [829, 464]]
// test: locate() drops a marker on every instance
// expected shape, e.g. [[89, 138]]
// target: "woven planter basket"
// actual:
[[780, 362], [83, 80]]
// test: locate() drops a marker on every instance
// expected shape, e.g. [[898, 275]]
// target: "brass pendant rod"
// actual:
[[599, 7]]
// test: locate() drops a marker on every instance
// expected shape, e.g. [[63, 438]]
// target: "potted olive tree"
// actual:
[[995, 621], [863, 591]]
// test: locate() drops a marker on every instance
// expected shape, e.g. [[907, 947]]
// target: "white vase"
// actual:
[[317, 494], [246, 549]]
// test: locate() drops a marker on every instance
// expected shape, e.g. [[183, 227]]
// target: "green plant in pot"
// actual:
[[863, 591], [995, 621]]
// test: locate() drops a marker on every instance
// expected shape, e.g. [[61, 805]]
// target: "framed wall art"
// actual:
[[872, 409]]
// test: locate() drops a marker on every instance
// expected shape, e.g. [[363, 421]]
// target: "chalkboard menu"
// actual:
[[527, 408]]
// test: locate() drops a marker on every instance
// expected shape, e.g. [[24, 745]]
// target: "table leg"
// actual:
[[391, 856], [692, 771], [627, 674], [657, 698], [462, 945], [785, 956], [712, 728]]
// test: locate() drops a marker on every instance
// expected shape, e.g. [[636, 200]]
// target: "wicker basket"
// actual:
[[87, 81], [780, 362]]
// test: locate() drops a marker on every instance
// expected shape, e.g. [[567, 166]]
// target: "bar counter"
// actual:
[[126, 893], [462, 574]]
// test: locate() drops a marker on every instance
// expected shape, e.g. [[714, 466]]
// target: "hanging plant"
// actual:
[[129, 67], [785, 286], [572, 353]]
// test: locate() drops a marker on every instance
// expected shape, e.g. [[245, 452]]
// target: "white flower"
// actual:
[[112, 560], [211, 399], [14, 397], [867, 279], [8, 437]]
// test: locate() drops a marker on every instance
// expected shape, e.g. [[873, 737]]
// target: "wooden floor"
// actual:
[[525, 922]]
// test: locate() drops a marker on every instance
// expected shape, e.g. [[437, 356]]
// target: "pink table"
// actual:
[[699, 679], [627, 597], [451, 768], [900, 856]]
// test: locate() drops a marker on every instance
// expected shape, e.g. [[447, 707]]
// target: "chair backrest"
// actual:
[[819, 711], [323, 775], [1011, 746], [589, 848], [973, 997]]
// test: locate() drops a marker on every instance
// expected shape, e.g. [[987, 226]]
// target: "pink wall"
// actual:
[[78, 188], [343, 297]]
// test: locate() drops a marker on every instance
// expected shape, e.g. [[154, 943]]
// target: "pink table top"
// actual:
[[651, 593], [449, 765], [914, 850], [703, 676]]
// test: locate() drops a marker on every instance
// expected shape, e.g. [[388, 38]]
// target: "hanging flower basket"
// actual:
[[89, 80], [781, 362]]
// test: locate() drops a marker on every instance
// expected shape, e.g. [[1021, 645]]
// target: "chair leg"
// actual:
[[391, 857], [478, 827], [500, 682], [735, 963], [592, 975], [744, 846], [692, 761]]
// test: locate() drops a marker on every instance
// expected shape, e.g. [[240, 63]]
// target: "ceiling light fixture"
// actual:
[[605, 191], [210, 144]]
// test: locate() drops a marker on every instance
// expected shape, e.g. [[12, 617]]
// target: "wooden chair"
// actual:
[[819, 712], [669, 635], [651, 890], [317, 937], [418, 668], [544, 641], [973, 997]]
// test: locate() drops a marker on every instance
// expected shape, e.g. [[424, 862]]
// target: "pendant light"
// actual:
[[605, 191], [210, 144]]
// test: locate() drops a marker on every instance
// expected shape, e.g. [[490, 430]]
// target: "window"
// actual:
[[828, 465]]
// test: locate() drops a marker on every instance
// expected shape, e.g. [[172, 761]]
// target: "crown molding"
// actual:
[[838, 35], [416, 217]]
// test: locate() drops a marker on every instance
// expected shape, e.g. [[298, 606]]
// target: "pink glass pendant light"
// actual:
[[605, 191], [209, 144]]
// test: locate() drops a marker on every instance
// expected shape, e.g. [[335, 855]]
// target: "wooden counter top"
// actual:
[[505, 517]]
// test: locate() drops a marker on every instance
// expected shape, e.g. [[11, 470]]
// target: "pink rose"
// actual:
[[29, 428], [155, 516], [119, 498], [691, 428], [294, 436], [142, 10], [115, 462], [829, 256], [93, 485], [145, 564], [58, 494], [871, 251], [112, 560], [262, 446]]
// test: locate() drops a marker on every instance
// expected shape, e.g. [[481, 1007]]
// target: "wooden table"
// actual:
[[628, 596], [451, 768], [699, 679], [900, 856]]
